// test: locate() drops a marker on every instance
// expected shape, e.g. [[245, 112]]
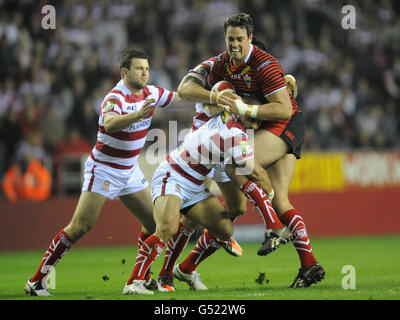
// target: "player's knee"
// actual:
[[225, 230], [166, 231], [149, 227], [188, 223], [78, 228], [237, 210]]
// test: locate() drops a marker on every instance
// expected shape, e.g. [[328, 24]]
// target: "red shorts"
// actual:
[[291, 131]]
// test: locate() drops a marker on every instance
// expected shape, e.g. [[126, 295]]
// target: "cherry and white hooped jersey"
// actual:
[[121, 149], [220, 141], [201, 72]]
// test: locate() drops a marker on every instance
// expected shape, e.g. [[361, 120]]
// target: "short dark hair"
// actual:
[[128, 55], [241, 20]]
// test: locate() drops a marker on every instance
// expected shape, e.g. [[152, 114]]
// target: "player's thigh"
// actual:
[[167, 215], [86, 214], [140, 204], [281, 175], [235, 200], [268, 147], [211, 214]]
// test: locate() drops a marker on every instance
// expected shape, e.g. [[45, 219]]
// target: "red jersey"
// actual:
[[259, 76]]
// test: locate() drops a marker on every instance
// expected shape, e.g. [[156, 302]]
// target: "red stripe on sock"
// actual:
[[59, 246], [147, 253], [259, 198], [301, 241], [205, 246], [175, 247]]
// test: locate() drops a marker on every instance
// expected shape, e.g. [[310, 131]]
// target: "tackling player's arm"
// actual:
[[278, 108], [192, 88], [116, 122]]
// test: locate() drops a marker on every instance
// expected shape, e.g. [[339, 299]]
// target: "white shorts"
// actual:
[[111, 182], [218, 174], [166, 181]]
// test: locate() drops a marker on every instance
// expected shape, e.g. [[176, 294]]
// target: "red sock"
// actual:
[[58, 247], [147, 253], [259, 198], [205, 246], [301, 242], [141, 238], [174, 248]]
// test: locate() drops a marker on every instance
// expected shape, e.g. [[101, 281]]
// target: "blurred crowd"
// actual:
[[53, 80]]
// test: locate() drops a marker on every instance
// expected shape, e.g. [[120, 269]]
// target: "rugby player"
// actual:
[[112, 168], [278, 142], [178, 186]]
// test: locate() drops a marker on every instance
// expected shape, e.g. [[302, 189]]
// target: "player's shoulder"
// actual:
[[202, 70], [118, 92], [223, 57], [262, 60], [154, 89]]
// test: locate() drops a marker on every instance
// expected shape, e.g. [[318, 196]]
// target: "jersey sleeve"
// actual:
[[165, 97], [216, 72], [112, 104], [271, 77], [202, 70]]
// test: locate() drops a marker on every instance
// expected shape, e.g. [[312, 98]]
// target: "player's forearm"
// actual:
[[274, 111], [114, 123], [193, 91]]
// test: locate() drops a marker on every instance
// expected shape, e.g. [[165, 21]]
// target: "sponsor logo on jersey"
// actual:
[[245, 147], [247, 80], [109, 105], [106, 186], [262, 65], [245, 70], [131, 108], [225, 116], [143, 123], [228, 69], [178, 188]]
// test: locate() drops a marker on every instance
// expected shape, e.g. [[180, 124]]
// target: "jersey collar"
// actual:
[[250, 52]]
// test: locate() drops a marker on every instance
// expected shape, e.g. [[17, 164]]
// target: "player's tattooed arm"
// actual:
[[191, 88]]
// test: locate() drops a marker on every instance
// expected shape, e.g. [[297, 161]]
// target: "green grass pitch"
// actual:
[[79, 275]]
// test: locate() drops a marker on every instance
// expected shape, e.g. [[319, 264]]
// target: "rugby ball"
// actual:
[[222, 86]]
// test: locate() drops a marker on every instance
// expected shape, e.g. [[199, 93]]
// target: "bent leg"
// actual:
[[166, 216], [211, 214], [235, 200]]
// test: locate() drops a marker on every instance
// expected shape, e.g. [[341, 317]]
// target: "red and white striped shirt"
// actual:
[[222, 140], [121, 149], [201, 72]]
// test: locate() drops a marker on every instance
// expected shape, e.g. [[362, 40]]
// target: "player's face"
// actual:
[[138, 74], [237, 43]]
